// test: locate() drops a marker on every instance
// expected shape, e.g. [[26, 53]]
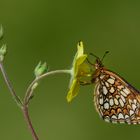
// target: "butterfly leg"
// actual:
[[83, 83]]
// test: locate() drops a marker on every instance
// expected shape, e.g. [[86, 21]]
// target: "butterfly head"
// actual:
[[98, 63]]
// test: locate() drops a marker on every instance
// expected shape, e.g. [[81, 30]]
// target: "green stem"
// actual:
[[29, 93], [9, 85], [30, 90]]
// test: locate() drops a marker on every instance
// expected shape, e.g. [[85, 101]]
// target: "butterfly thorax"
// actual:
[[99, 71]]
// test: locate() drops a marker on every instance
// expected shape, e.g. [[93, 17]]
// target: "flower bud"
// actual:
[[40, 69]]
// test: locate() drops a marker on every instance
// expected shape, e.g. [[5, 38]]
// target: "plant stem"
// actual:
[[24, 108], [28, 120], [29, 93], [30, 90], [9, 85]]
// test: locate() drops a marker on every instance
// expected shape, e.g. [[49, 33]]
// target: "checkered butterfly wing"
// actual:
[[116, 101]]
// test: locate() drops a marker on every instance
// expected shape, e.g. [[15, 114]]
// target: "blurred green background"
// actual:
[[49, 30]]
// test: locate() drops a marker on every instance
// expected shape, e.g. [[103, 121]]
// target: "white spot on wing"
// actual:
[[120, 116], [123, 99], [102, 76], [112, 90], [107, 119], [116, 101], [102, 83], [111, 102], [126, 90], [126, 116], [107, 84], [104, 90], [121, 92], [121, 103], [114, 117], [134, 107], [131, 112], [117, 96], [106, 106], [111, 81], [135, 101], [101, 101]]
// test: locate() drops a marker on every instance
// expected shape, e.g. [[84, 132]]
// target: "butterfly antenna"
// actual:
[[89, 61], [94, 55], [104, 55]]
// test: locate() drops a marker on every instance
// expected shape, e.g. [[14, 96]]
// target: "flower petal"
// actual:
[[74, 89], [79, 53], [80, 49], [84, 70], [79, 61], [79, 69]]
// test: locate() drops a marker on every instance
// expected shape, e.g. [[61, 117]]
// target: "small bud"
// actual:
[[34, 86], [1, 32], [3, 51], [40, 69]]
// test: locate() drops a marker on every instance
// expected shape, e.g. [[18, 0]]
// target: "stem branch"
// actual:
[[28, 94], [9, 85], [29, 91]]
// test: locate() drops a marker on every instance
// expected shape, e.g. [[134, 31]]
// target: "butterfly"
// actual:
[[115, 99]]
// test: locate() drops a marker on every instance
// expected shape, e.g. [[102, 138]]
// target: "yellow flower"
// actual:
[[79, 69]]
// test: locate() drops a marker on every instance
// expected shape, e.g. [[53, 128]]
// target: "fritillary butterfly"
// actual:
[[115, 99]]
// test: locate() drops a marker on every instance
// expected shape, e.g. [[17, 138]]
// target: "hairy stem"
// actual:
[[28, 120], [29, 91], [9, 85], [17, 99]]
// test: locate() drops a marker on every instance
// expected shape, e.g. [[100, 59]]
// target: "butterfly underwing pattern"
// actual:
[[115, 99]]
